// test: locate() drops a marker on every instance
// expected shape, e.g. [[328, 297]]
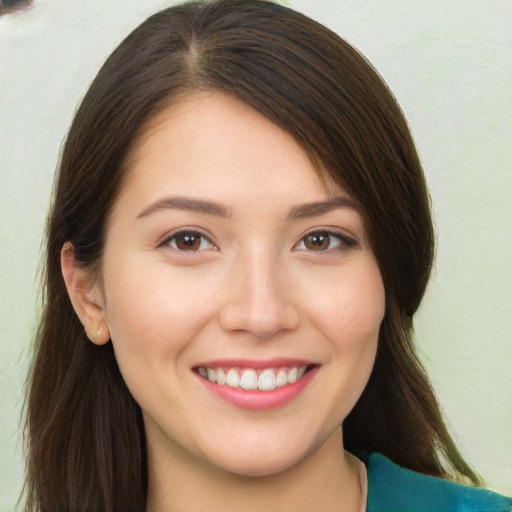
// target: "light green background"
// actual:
[[449, 62]]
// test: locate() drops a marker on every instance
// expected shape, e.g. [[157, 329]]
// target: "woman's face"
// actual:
[[243, 301]]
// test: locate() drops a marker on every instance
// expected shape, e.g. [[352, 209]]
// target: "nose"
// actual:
[[260, 300]]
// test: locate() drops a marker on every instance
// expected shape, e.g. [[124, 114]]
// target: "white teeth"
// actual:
[[232, 378], [292, 375], [267, 380], [249, 380], [221, 376], [281, 378]]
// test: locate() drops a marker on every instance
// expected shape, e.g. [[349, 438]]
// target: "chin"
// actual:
[[261, 467], [263, 459]]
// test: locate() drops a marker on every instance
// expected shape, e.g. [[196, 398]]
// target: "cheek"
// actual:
[[350, 307], [154, 312]]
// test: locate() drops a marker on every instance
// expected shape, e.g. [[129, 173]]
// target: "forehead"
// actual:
[[212, 136]]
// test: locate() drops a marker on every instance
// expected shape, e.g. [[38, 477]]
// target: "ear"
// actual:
[[86, 296]]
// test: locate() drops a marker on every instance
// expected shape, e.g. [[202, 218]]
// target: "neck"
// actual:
[[327, 480]]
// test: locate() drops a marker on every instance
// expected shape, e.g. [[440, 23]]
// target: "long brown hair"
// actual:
[[85, 436]]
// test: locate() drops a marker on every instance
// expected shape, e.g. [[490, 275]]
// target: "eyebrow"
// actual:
[[305, 211], [188, 203], [301, 211]]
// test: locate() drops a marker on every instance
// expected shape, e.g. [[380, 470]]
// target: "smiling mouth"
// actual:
[[252, 379]]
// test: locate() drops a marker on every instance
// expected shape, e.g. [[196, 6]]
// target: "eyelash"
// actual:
[[344, 241], [191, 233]]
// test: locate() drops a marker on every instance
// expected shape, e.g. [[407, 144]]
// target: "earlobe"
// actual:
[[85, 295]]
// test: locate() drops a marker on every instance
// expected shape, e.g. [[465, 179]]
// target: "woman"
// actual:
[[239, 238]]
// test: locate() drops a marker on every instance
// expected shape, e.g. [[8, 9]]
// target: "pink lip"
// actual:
[[258, 400], [256, 364]]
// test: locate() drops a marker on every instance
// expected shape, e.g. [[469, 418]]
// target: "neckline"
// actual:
[[363, 481]]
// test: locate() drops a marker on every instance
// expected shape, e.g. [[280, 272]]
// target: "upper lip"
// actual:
[[256, 364]]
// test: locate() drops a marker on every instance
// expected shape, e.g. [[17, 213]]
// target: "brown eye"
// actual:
[[325, 241], [317, 241], [190, 241]]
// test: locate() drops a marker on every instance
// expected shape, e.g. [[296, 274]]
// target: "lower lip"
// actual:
[[260, 400]]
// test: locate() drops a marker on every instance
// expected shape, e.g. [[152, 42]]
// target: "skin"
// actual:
[[255, 287]]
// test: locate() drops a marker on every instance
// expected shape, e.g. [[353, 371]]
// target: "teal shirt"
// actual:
[[392, 488]]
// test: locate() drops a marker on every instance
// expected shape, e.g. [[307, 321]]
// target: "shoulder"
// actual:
[[393, 488]]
